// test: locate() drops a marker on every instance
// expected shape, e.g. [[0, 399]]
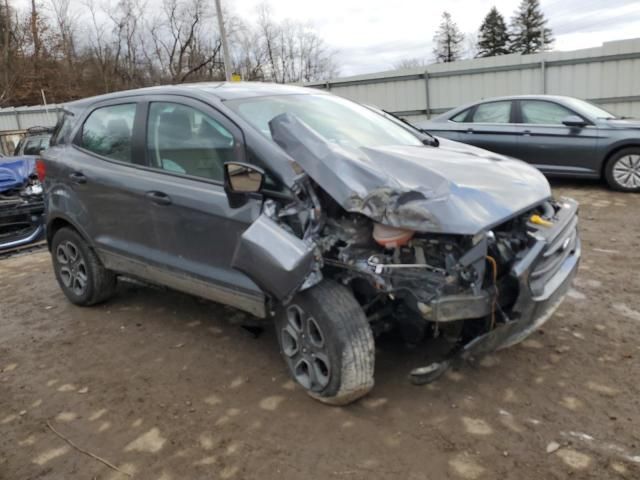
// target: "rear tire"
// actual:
[[327, 343], [622, 171], [80, 274]]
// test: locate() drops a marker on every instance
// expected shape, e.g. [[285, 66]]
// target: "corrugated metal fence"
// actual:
[[21, 118], [14, 121], [608, 75]]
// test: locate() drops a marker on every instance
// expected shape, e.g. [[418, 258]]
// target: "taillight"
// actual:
[[41, 169]]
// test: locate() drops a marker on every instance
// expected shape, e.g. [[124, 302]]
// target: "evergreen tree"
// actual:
[[448, 40], [529, 33], [493, 37]]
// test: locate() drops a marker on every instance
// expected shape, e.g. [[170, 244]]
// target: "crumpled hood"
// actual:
[[15, 171], [453, 188]]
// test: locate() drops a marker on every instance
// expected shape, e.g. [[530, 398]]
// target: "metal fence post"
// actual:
[[426, 91]]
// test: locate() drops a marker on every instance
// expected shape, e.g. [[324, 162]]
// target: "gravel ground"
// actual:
[[165, 386]]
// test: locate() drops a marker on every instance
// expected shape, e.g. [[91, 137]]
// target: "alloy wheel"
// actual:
[[73, 269], [305, 349], [626, 171]]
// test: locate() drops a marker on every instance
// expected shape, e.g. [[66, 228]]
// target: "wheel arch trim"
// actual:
[[60, 220]]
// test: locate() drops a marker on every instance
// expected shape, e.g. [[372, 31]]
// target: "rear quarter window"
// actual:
[[62, 130], [461, 117]]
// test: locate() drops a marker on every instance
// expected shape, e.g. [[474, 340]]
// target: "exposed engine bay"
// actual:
[[408, 279]]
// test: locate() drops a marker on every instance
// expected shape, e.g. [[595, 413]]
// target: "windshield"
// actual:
[[589, 109], [337, 120]]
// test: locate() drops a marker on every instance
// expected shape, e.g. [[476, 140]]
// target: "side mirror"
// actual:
[[243, 178], [574, 121], [240, 181]]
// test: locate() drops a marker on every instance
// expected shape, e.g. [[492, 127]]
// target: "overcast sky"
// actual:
[[372, 35]]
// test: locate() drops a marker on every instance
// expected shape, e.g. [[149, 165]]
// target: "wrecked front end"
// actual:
[[477, 264], [21, 204], [480, 293]]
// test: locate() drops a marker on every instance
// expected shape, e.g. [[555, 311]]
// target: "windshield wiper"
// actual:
[[434, 141]]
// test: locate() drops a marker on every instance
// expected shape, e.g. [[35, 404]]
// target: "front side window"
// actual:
[[108, 131], [543, 113], [493, 112], [184, 140], [335, 119]]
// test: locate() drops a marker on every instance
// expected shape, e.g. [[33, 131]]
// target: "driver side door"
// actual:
[[187, 144]]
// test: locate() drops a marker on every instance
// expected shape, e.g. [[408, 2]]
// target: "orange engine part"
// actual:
[[391, 237]]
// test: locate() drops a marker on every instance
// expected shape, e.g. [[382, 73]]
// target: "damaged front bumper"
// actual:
[[544, 276], [531, 311], [21, 222]]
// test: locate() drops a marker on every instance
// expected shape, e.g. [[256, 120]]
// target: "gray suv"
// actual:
[[336, 221]]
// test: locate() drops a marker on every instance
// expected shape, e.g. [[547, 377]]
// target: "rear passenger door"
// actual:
[[187, 143], [545, 142], [490, 126], [107, 188]]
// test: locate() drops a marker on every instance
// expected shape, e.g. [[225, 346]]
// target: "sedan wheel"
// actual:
[[622, 171], [626, 171]]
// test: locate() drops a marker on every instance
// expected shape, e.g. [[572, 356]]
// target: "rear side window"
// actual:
[[543, 113], [33, 146], [493, 112], [184, 140], [108, 131]]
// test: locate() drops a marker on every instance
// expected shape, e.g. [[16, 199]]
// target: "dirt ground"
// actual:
[[163, 386]]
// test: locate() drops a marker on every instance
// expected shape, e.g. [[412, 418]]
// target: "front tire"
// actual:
[[622, 171], [327, 343], [80, 274]]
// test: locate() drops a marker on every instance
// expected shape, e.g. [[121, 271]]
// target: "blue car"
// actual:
[[21, 203]]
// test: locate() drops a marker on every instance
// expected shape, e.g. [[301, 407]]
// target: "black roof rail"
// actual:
[[34, 130]]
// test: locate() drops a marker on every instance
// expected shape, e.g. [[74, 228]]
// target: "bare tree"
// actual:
[[5, 44], [293, 51], [119, 44], [65, 22], [410, 63]]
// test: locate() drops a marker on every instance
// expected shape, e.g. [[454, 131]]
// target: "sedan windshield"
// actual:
[[589, 109], [337, 120]]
